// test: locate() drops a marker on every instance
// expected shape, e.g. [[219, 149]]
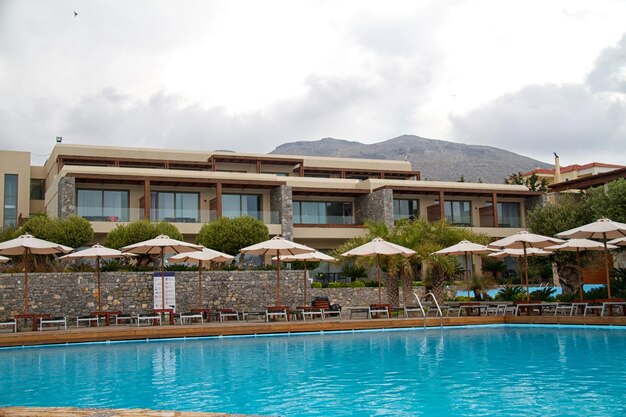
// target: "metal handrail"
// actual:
[[419, 302], [436, 303]]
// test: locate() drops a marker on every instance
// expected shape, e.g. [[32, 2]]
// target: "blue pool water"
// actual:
[[487, 371]]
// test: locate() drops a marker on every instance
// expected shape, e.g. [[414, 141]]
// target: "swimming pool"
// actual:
[[478, 371]]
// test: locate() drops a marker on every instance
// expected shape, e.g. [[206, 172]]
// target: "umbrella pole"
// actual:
[[526, 273], [378, 263], [580, 275], [467, 278], [162, 278], [277, 278], [606, 266], [200, 283], [26, 281], [305, 283], [99, 296]]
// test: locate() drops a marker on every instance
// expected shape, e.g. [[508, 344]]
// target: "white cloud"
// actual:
[[250, 75]]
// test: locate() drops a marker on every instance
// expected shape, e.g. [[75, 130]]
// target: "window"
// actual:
[[238, 205], [508, 214], [458, 213], [10, 200], [102, 205], [37, 189], [320, 212], [405, 209], [175, 207]]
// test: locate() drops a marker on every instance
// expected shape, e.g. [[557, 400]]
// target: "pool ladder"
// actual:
[[425, 312]]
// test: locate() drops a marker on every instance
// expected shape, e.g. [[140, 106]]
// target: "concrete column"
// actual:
[[66, 197], [377, 206], [281, 206]]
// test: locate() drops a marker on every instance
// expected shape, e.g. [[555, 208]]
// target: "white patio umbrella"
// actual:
[[4, 259], [604, 229], [26, 245], [316, 256], [161, 245], [524, 240], [576, 245], [378, 247], [620, 241], [277, 246], [97, 252], [205, 255], [466, 248]]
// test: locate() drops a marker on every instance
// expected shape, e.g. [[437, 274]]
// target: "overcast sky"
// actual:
[[533, 77]]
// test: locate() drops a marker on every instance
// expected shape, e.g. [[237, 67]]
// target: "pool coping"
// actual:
[[168, 332]]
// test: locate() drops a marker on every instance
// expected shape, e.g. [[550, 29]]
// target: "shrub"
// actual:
[[510, 293], [230, 235], [316, 285], [74, 231], [544, 294], [357, 284], [124, 235]]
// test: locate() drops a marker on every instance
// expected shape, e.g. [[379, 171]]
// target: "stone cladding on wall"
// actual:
[[378, 206], [67, 197], [281, 203]]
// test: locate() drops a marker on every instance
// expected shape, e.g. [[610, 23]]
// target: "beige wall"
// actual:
[[15, 162]]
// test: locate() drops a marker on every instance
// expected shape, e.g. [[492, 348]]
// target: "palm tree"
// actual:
[[424, 238]]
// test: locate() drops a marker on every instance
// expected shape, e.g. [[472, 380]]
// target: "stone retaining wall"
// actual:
[[75, 293]]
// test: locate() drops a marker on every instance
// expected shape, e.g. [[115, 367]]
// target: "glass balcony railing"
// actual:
[[330, 220], [188, 216]]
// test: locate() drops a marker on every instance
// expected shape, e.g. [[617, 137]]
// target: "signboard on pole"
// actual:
[[170, 291]]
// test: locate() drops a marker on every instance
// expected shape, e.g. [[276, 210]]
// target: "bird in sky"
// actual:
[[75, 14]]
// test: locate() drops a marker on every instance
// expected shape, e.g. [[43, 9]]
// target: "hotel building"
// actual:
[[318, 201]]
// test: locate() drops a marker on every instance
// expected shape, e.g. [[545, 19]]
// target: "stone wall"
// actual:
[[281, 203], [67, 197], [378, 205], [75, 293]]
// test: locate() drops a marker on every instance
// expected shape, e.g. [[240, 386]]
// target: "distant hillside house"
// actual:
[[578, 176]]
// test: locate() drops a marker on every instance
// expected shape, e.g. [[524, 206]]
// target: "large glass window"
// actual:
[[238, 205], [458, 213], [321, 212], [509, 215], [405, 209], [102, 205], [37, 189], [10, 200], [175, 207]]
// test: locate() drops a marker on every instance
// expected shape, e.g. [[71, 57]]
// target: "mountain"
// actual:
[[436, 159]]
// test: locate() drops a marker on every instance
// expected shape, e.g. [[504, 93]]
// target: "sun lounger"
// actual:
[[149, 317], [9, 323], [124, 318], [228, 314], [330, 313], [310, 312], [54, 321], [377, 310], [413, 309], [90, 320], [191, 317], [276, 312]]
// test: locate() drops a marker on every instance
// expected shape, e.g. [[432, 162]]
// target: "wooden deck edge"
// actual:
[[101, 412], [123, 333]]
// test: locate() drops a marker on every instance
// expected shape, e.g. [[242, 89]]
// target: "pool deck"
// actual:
[[118, 333], [97, 412]]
